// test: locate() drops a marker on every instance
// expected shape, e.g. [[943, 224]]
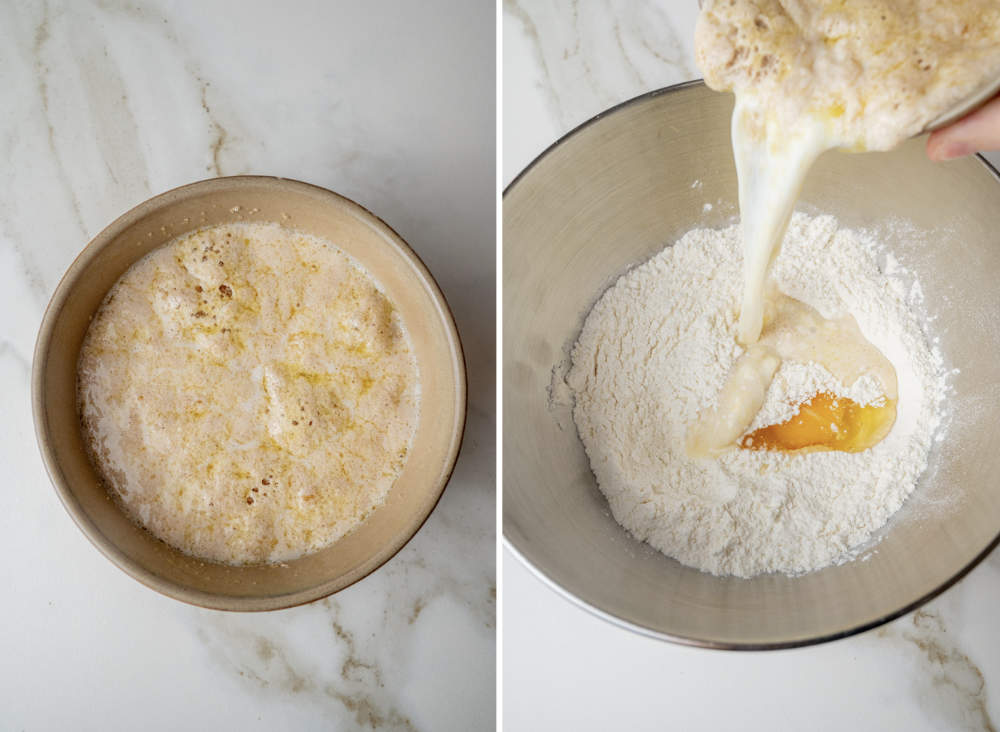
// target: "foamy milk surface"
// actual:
[[248, 393]]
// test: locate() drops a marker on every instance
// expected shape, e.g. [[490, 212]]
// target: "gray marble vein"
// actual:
[[594, 55], [950, 685]]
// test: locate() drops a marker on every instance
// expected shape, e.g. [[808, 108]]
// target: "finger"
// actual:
[[977, 131]]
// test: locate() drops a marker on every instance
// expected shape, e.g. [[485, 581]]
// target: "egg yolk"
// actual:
[[827, 422]]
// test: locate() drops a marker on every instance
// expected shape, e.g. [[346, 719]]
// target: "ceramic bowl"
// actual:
[[408, 285]]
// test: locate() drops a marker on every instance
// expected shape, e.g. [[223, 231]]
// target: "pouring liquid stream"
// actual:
[[809, 77], [771, 166]]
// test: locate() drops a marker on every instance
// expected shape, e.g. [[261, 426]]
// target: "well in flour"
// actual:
[[654, 353]]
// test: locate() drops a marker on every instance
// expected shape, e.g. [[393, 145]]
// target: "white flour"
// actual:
[[654, 353]]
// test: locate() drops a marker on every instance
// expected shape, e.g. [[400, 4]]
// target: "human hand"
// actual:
[[975, 132]]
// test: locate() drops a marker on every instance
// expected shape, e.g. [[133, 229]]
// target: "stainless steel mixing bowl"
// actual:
[[618, 189]]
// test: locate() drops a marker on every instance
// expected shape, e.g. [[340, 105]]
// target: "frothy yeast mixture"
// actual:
[[248, 393], [810, 76]]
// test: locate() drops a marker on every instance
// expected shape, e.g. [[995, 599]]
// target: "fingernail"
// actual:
[[951, 151]]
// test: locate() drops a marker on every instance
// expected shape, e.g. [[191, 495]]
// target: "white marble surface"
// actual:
[[106, 103], [935, 669]]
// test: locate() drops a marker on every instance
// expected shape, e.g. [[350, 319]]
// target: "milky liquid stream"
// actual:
[[770, 169], [771, 165]]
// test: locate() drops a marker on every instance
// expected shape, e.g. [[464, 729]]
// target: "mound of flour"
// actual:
[[654, 353]]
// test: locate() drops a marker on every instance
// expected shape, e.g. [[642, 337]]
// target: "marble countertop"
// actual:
[[935, 669], [105, 104]]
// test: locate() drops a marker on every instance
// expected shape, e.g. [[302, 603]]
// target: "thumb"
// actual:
[[977, 131]]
